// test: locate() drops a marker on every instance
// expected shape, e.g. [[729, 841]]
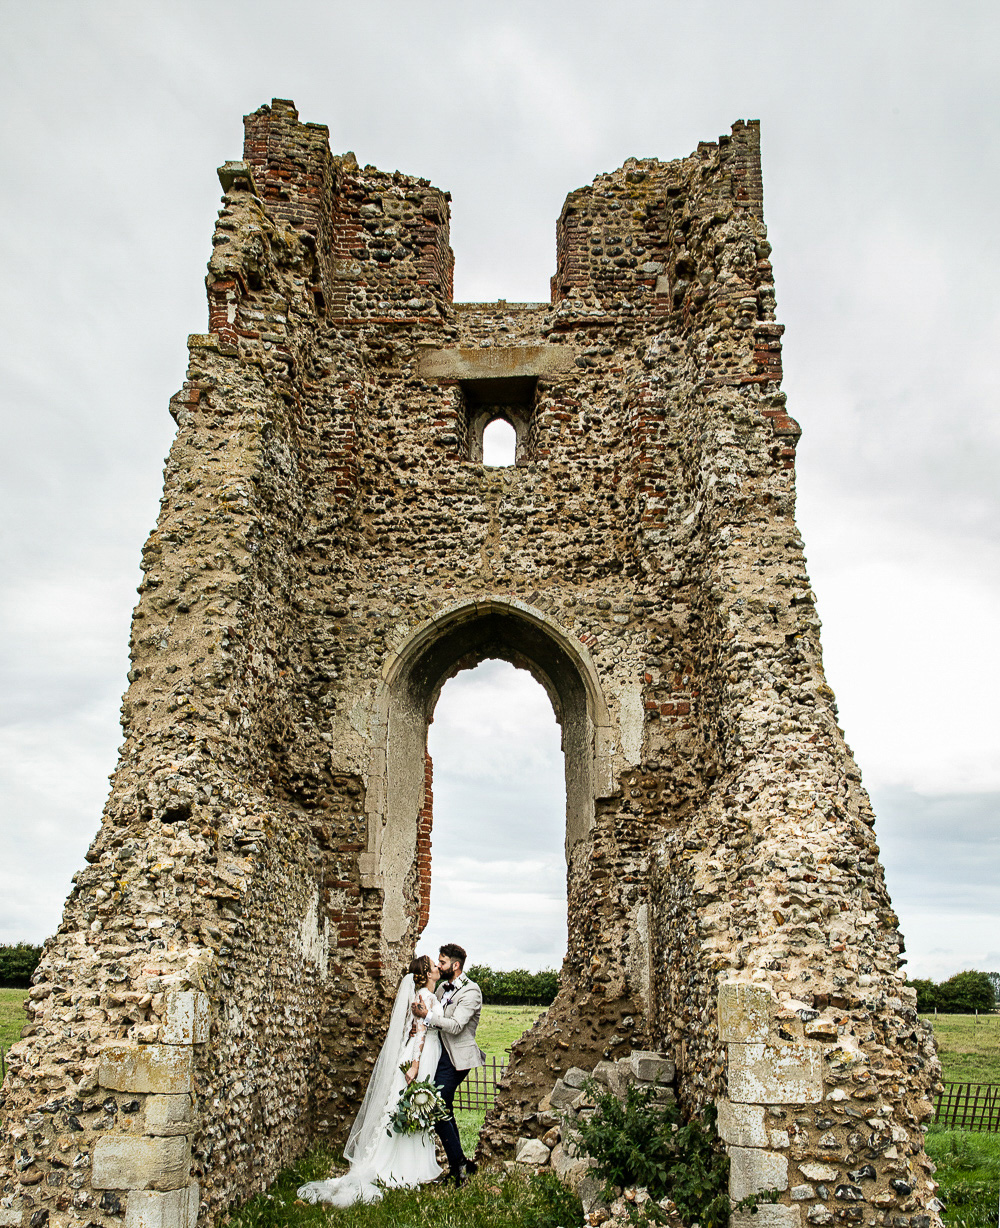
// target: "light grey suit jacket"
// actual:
[[458, 1022]]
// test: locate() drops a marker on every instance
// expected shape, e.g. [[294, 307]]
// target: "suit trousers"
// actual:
[[447, 1080]]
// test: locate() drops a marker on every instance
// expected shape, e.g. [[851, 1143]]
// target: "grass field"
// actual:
[[968, 1175], [500, 1026], [969, 1050], [12, 1017]]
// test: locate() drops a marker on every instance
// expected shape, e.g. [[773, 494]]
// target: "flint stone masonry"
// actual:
[[329, 550]]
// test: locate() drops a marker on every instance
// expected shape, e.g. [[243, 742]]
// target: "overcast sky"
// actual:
[[881, 180]]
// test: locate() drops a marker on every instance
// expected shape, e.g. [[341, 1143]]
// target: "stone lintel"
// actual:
[[129, 1067], [745, 1011], [171, 1209], [188, 1018], [753, 1170], [496, 362], [775, 1074], [130, 1162]]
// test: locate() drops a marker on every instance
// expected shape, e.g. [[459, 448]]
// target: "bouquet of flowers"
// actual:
[[420, 1106]]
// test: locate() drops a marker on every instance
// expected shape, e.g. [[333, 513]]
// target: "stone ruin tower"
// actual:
[[330, 550]]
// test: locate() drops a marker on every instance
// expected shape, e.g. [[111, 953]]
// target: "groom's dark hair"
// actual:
[[452, 950]]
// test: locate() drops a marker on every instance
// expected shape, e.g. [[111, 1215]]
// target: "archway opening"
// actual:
[[497, 857]]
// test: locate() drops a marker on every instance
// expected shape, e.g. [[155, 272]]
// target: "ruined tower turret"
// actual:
[[329, 550]]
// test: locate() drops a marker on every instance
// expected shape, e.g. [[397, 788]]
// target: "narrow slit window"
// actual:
[[499, 443]]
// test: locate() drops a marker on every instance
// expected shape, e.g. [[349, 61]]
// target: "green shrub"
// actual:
[[640, 1142], [966, 992], [926, 995], [17, 963], [517, 987]]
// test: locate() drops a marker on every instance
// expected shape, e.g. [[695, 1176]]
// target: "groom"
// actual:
[[462, 1001]]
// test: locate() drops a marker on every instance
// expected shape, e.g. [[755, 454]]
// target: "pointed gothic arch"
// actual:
[[459, 638]]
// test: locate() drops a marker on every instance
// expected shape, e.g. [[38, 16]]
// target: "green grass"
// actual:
[[12, 1017], [969, 1050], [968, 1174], [488, 1200]]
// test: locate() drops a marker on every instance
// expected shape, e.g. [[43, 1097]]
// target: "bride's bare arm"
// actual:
[[419, 1030]]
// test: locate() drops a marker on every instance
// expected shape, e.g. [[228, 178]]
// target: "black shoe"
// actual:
[[470, 1168]]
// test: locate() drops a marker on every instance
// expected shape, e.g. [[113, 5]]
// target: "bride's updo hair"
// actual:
[[420, 967]]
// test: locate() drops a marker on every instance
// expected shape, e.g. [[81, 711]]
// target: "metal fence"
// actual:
[[479, 1088], [969, 1106]]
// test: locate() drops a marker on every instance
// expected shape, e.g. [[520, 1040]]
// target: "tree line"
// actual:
[[17, 962], [515, 988], [961, 994]]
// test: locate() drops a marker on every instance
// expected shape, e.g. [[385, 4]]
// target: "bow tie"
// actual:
[[448, 985]]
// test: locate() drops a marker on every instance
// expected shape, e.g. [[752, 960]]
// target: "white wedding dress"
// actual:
[[378, 1156]]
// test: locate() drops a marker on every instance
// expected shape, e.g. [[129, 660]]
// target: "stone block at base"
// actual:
[[130, 1162], [146, 1068], [10, 1217], [767, 1215], [173, 1209], [751, 1171]]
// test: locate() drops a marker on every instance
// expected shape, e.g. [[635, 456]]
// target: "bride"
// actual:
[[374, 1152]]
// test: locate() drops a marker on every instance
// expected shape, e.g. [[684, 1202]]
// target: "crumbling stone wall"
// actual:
[[330, 549]]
